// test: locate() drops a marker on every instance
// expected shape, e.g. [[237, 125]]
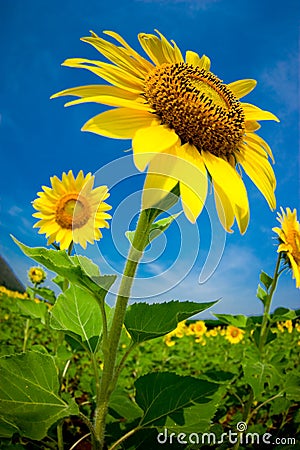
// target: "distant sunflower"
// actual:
[[36, 275], [289, 240], [71, 210], [233, 334], [185, 124]]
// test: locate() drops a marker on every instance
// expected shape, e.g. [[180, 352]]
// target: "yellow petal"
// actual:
[[172, 54], [113, 74], [257, 141], [241, 88], [251, 125], [228, 180], [224, 208], [151, 140], [192, 58], [85, 92], [120, 123], [152, 45], [156, 186], [261, 173], [113, 101], [143, 62], [117, 55], [204, 63], [252, 112]]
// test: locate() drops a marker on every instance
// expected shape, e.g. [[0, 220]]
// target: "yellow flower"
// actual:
[[36, 275], [280, 327], [297, 326], [212, 333], [71, 210], [233, 334], [180, 329], [186, 125], [289, 237], [12, 294]]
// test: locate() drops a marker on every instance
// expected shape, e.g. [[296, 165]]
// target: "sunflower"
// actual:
[[71, 210], [36, 275], [289, 240], [233, 334], [186, 125]]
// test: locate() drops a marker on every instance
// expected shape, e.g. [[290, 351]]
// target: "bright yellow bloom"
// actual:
[[297, 326], [233, 334], [36, 275], [13, 294], [289, 325], [186, 125], [71, 210], [280, 327], [289, 237], [180, 329], [212, 333]]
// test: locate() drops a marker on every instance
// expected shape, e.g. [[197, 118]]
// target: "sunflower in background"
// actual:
[[36, 275], [71, 210], [186, 125], [234, 334], [289, 240]]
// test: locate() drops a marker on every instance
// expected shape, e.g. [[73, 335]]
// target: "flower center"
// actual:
[[234, 333], [72, 212], [195, 103]]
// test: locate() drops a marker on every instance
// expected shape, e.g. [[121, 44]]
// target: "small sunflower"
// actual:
[[186, 125], [36, 275], [289, 240], [233, 334], [71, 210]]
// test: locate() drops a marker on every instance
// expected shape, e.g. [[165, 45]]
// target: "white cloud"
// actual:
[[14, 210], [191, 4]]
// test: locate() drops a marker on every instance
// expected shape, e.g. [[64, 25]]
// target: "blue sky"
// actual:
[[40, 138]]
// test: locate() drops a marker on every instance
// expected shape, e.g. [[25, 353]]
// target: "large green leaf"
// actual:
[[122, 406], [77, 311], [29, 395], [144, 321], [165, 394], [31, 308], [259, 374], [78, 270]]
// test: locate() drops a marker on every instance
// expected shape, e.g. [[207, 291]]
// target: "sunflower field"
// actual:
[[81, 372]]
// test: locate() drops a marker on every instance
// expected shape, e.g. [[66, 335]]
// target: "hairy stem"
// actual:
[[139, 243]]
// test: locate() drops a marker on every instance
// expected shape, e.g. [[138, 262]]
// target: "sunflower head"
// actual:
[[233, 334], [187, 126], [289, 240], [71, 210], [36, 275]]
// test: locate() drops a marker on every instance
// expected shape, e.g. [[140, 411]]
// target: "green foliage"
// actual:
[[145, 322], [76, 311], [239, 320], [161, 395], [78, 270], [29, 395]]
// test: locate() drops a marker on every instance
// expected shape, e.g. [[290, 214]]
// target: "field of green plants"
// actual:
[[211, 351]]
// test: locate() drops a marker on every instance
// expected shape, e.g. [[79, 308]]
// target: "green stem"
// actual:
[[26, 334], [60, 439], [267, 306], [91, 429], [123, 438], [139, 243], [121, 365]]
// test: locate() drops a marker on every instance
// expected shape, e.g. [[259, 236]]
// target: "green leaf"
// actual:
[[292, 387], [45, 293], [79, 270], [31, 308], [261, 294], [145, 322], [282, 314], [77, 311], [238, 321], [265, 279], [156, 228], [162, 395], [121, 404], [29, 394], [258, 374]]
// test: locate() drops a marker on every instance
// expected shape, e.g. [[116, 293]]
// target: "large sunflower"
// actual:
[[71, 210], [289, 240], [185, 124]]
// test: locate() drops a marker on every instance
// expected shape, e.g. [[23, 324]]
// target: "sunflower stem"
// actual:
[[267, 306], [140, 241]]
